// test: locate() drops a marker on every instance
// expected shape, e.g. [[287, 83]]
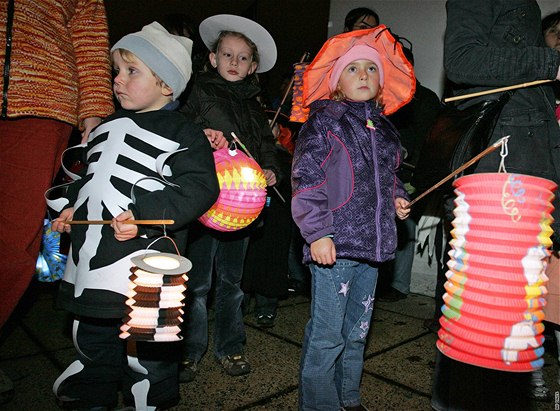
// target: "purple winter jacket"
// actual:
[[344, 180]]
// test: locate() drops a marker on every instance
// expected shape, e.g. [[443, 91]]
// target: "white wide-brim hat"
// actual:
[[211, 28]]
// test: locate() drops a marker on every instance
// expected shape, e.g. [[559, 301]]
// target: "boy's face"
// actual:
[[234, 59], [135, 86], [359, 80]]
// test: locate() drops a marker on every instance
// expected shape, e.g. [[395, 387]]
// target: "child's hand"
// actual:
[[323, 251], [58, 224], [401, 208], [89, 124], [270, 177], [216, 138], [123, 231]]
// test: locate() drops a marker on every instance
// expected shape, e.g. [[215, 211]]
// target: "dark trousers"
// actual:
[[224, 254], [106, 364]]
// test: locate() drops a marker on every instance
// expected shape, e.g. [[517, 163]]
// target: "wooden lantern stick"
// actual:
[[253, 158], [138, 222], [469, 163], [497, 90]]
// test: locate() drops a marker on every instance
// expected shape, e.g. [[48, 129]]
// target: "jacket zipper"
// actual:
[[7, 58], [372, 133]]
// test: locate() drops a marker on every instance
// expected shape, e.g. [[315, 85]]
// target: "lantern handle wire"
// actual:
[[503, 153], [473, 160], [159, 238], [236, 139]]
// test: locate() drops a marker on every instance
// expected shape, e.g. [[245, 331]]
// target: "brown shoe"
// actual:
[[235, 365]]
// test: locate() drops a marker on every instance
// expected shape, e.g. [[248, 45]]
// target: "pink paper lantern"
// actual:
[[242, 192], [496, 288]]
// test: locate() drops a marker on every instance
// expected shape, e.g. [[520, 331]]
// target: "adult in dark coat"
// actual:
[[491, 44]]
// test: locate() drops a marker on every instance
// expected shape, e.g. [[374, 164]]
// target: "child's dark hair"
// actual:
[[550, 21], [355, 14], [225, 33]]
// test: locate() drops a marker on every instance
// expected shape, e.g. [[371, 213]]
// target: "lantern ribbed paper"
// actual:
[[155, 298], [496, 286], [242, 192]]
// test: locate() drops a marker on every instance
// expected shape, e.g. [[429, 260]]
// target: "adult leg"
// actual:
[[399, 269], [265, 310], [299, 273], [404, 255], [265, 305], [30, 151], [557, 336]]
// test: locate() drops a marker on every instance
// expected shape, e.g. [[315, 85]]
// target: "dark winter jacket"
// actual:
[[344, 180], [122, 151], [498, 43], [229, 107]]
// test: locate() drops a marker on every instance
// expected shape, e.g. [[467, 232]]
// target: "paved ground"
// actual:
[[397, 376]]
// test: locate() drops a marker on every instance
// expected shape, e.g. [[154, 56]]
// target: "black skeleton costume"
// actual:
[[125, 156], [160, 166]]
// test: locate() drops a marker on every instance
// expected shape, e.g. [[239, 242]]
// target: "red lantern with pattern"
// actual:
[[496, 285]]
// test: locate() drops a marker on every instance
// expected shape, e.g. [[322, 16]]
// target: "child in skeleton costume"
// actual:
[[146, 161]]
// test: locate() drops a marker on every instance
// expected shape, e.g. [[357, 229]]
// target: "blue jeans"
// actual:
[[223, 253], [335, 336]]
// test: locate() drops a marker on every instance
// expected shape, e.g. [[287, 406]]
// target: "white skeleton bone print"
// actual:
[[99, 193]]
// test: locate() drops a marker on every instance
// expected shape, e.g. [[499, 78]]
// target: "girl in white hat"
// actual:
[[223, 100]]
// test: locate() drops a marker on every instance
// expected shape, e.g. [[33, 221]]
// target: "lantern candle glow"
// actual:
[[157, 286]]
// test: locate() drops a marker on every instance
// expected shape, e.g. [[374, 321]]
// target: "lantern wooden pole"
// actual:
[[497, 90], [138, 222], [473, 160], [253, 158]]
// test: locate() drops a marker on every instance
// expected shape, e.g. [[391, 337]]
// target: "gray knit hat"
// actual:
[[167, 55]]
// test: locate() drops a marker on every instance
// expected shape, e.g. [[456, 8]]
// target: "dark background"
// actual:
[[296, 26]]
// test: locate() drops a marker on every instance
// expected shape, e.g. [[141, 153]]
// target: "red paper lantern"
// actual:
[[496, 288], [242, 192]]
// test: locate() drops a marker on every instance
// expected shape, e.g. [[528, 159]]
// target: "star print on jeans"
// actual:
[[364, 325], [344, 287], [368, 304], [363, 335]]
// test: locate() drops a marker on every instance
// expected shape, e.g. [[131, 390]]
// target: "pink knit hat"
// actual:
[[396, 72], [358, 52]]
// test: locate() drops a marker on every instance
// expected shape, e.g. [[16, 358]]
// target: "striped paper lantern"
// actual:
[[496, 286], [157, 284], [242, 192]]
